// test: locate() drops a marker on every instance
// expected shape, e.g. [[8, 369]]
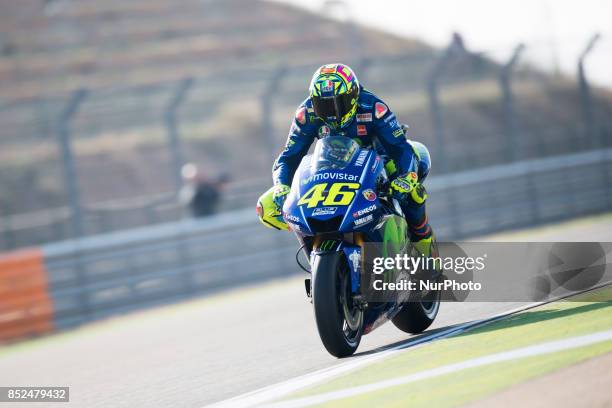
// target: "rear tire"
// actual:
[[332, 303], [417, 316]]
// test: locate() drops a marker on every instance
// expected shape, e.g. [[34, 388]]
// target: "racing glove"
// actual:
[[279, 195], [406, 186]]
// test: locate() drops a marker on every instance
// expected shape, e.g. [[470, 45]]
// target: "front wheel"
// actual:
[[339, 320]]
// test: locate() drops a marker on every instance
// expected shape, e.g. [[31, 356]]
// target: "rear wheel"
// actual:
[[339, 320], [416, 316]]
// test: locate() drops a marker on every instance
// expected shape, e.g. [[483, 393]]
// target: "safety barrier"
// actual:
[[68, 283], [25, 304]]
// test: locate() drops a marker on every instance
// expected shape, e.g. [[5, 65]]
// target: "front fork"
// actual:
[[352, 247], [353, 255]]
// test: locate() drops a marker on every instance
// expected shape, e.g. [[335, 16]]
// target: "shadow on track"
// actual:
[[523, 318], [409, 341], [536, 316]]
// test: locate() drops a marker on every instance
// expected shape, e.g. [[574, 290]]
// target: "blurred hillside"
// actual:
[[50, 47], [131, 57]]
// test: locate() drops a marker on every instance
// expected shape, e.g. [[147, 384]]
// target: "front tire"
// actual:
[[339, 321]]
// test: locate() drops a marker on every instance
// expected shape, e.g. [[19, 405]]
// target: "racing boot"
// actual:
[[412, 196], [423, 239]]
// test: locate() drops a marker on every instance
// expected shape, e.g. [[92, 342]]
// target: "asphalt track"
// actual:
[[203, 351]]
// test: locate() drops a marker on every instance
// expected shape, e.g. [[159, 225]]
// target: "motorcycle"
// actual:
[[341, 212]]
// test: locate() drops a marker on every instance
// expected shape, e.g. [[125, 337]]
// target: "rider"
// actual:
[[339, 105]]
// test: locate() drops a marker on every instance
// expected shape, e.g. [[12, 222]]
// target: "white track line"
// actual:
[[279, 390], [530, 351]]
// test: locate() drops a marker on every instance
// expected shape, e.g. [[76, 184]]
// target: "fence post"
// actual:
[[267, 110], [170, 119], [70, 176], [435, 108], [72, 185], [586, 100], [511, 127]]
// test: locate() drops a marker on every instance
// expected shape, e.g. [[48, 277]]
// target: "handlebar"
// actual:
[[382, 190]]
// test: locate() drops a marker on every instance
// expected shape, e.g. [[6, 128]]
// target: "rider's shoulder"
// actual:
[[366, 99], [304, 114], [369, 102]]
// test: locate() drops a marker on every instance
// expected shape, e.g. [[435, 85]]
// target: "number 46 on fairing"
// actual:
[[338, 194]]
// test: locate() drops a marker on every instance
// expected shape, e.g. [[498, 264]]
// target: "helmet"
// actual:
[[334, 90]]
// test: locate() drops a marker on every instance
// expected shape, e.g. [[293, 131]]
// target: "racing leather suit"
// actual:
[[375, 127]]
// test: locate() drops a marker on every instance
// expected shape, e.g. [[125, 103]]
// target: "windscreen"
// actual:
[[334, 152]]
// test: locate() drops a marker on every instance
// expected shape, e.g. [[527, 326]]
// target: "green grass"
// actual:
[[550, 322], [456, 389]]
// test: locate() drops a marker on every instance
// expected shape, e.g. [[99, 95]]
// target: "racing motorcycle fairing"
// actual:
[[337, 204], [334, 189]]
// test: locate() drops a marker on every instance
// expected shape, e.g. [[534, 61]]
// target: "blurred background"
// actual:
[[114, 115], [102, 103]]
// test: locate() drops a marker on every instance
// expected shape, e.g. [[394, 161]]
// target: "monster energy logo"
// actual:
[[328, 245]]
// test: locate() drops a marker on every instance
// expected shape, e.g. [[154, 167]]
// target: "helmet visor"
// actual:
[[333, 109], [325, 108]]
